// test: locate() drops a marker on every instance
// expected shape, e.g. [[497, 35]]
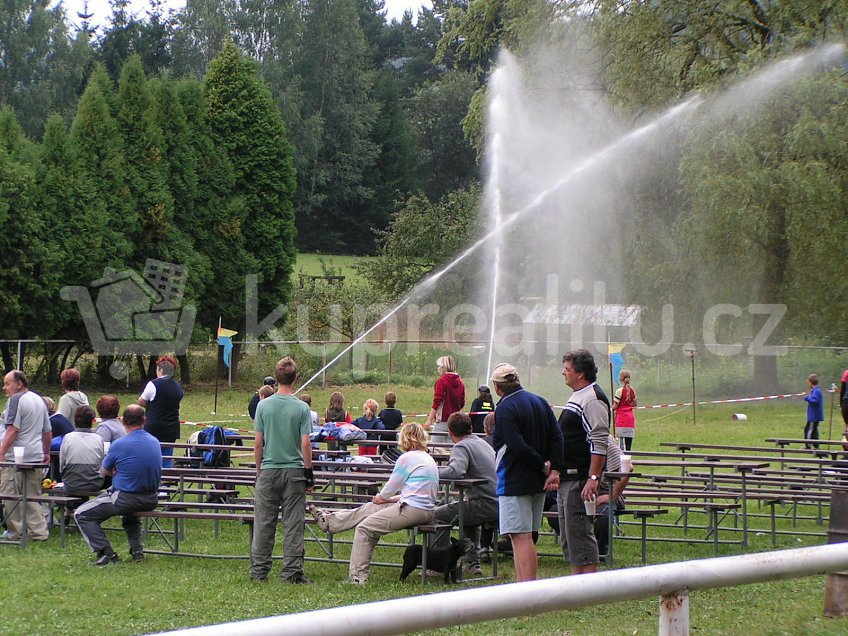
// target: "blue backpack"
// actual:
[[214, 458]]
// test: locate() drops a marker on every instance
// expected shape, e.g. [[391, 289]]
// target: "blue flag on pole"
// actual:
[[616, 359], [225, 339]]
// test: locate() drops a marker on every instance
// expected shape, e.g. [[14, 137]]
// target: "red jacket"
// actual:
[[448, 396]]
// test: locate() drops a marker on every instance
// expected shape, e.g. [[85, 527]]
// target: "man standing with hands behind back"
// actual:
[[585, 430], [283, 475], [528, 444]]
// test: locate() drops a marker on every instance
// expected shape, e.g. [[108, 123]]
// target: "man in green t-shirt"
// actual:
[[283, 475]]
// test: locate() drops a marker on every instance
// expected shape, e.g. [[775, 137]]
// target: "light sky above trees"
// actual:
[[101, 10]]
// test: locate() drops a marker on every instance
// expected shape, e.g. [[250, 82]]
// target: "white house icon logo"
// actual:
[[125, 313]]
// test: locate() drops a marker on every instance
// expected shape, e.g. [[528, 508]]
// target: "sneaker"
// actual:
[[298, 579], [431, 573], [320, 517], [258, 579], [352, 580], [137, 556], [474, 568], [485, 556], [106, 558]]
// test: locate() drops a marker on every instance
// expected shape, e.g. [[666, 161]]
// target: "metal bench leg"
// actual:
[[644, 540], [773, 525], [423, 558], [714, 515], [495, 539]]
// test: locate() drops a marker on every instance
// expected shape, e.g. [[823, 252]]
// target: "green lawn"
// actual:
[[64, 594], [325, 264]]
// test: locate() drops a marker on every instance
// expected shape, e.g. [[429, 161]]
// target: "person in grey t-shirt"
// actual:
[[73, 397], [471, 458], [110, 427], [27, 425]]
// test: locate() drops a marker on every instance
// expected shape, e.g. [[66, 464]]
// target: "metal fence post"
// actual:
[[674, 614], [389, 378]]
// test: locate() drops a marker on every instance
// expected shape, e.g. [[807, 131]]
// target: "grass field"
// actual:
[[325, 265], [48, 590]]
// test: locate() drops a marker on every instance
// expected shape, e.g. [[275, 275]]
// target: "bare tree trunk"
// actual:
[[103, 364], [151, 368], [8, 360], [68, 348], [185, 370], [139, 363]]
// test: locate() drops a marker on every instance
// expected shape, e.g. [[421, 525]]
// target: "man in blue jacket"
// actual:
[[529, 450]]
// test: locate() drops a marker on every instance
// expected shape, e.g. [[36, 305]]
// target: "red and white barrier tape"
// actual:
[[759, 398]]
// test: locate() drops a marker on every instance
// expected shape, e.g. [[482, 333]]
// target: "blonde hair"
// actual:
[[370, 407], [265, 391], [489, 423], [412, 437], [624, 376], [447, 363], [50, 404]]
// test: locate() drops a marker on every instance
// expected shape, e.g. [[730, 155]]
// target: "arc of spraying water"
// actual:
[[665, 118], [497, 214], [509, 221]]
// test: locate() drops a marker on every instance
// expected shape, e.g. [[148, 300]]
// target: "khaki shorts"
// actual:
[[520, 514]]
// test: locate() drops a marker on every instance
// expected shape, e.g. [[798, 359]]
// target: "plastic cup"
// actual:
[[590, 507], [19, 454], [625, 463], [106, 446]]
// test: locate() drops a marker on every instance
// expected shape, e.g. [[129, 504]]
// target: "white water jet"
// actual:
[[507, 115]]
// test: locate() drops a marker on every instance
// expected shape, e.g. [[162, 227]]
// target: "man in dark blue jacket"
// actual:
[[528, 444]]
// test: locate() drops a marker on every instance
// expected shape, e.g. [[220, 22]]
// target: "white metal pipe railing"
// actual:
[[670, 581]]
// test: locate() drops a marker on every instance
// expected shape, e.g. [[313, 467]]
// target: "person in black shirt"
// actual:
[[251, 408], [480, 407], [391, 417], [161, 397]]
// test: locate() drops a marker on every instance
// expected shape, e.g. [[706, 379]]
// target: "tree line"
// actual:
[[193, 136], [117, 145]]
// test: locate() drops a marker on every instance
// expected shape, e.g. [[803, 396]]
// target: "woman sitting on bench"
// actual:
[[415, 477]]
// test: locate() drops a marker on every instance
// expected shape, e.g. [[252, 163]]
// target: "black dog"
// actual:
[[439, 559]]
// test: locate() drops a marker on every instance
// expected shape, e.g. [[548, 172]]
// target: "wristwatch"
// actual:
[[593, 477]]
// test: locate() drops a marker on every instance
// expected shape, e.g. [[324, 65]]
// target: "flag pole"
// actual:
[[612, 387], [217, 368], [832, 400]]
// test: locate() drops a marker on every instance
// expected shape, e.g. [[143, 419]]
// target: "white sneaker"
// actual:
[[352, 580], [320, 517]]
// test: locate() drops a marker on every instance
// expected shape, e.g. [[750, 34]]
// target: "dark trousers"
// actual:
[[91, 515], [811, 431]]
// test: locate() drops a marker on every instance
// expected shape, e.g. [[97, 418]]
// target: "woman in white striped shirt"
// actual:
[[408, 499]]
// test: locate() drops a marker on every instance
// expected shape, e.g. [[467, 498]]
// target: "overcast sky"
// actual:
[[100, 8]]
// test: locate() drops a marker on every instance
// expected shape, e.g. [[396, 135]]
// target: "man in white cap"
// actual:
[[529, 450]]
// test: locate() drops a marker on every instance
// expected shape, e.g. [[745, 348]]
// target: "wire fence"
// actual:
[[664, 378]]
